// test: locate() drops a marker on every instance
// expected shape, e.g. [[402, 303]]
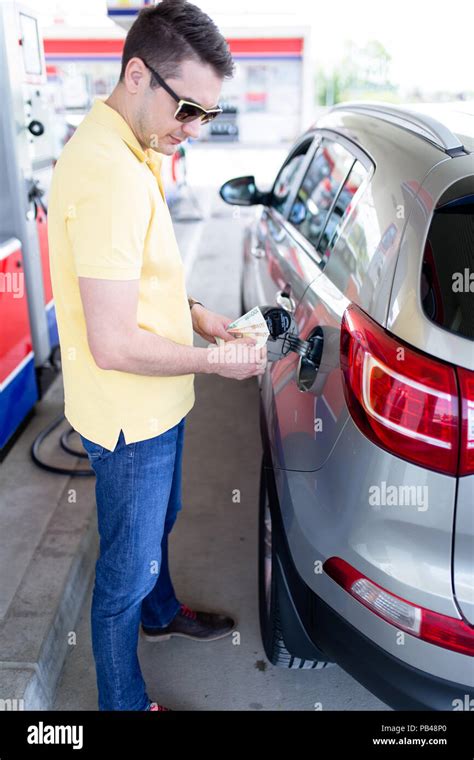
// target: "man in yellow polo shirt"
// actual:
[[126, 331]]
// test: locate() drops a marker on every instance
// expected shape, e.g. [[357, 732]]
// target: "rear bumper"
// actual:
[[320, 629], [393, 681]]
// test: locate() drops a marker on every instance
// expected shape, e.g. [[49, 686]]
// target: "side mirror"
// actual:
[[242, 191]]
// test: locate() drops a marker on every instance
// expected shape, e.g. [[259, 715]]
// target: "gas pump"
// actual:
[[28, 331]]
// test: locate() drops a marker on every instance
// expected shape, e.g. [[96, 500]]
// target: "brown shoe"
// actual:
[[200, 626]]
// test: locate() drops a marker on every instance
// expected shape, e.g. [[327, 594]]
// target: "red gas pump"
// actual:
[[18, 392], [28, 332]]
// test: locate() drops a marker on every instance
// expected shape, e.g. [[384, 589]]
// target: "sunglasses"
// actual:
[[187, 110]]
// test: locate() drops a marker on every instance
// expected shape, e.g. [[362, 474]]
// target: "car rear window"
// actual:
[[447, 279]]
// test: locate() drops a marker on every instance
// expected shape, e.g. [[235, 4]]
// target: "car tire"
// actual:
[[268, 581]]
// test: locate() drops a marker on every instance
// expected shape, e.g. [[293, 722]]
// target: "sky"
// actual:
[[430, 48]]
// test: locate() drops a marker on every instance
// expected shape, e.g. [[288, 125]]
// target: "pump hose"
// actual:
[[64, 440], [64, 444]]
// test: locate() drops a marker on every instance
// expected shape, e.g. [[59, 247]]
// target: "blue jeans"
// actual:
[[138, 495]]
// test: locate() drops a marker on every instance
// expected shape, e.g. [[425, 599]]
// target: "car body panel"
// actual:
[[404, 549], [463, 567]]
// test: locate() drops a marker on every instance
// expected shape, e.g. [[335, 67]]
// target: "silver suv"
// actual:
[[366, 240]]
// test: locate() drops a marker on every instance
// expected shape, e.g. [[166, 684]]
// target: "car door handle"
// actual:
[[285, 300]]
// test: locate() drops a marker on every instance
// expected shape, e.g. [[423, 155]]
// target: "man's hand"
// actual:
[[238, 359], [209, 324]]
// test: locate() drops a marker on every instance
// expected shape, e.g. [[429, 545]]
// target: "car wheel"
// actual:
[[270, 621]]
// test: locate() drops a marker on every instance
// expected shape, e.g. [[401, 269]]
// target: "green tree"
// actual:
[[363, 72]]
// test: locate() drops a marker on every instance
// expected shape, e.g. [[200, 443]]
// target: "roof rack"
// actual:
[[421, 124]]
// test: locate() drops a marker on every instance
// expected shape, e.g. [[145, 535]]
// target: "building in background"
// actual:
[[269, 100]]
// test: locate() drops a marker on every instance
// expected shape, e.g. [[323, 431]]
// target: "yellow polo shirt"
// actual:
[[108, 218]]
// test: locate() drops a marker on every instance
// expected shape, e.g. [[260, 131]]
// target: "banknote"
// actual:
[[249, 325]]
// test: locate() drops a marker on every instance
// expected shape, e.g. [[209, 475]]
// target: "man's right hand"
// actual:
[[239, 359]]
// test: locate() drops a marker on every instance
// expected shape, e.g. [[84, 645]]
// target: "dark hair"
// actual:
[[174, 31]]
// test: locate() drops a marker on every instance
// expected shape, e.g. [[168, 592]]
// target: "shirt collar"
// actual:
[[110, 118]]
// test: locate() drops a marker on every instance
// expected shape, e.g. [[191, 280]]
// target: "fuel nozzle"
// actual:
[[284, 339], [283, 336]]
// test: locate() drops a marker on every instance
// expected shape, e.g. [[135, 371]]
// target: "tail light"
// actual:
[[441, 630], [466, 384], [402, 400]]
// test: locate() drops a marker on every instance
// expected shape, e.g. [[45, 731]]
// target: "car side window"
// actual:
[[287, 175], [340, 211], [322, 181], [357, 260]]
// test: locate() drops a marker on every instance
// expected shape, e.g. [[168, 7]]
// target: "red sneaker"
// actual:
[[155, 707]]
